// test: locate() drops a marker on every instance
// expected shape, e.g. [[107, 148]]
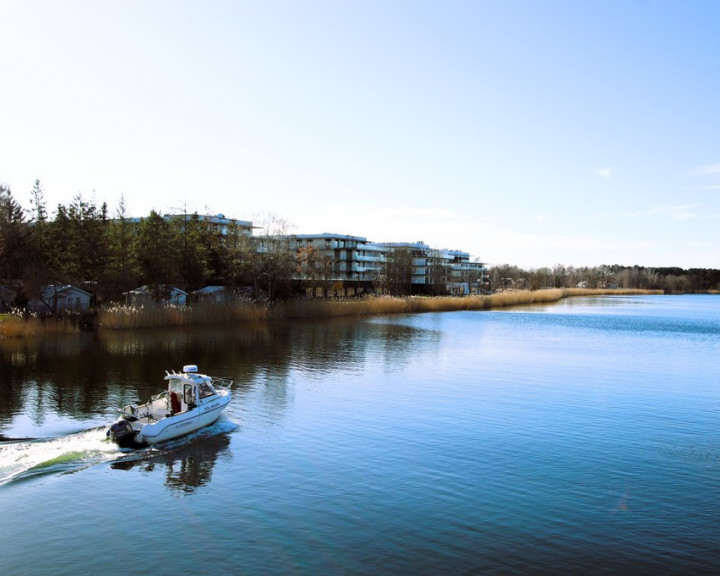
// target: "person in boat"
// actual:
[[175, 405]]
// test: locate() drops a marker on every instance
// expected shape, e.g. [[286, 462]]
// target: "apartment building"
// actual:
[[409, 261], [436, 271], [351, 265], [464, 277], [340, 263], [343, 264]]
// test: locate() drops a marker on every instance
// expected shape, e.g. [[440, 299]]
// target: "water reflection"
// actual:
[[187, 467], [87, 376]]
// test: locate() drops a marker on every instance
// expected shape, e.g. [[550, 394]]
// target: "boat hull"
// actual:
[[183, 423]]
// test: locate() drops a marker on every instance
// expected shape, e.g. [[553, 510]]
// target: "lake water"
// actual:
[[581, 437]]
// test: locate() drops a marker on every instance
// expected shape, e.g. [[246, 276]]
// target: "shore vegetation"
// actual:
[[17, 324], [207, 314]]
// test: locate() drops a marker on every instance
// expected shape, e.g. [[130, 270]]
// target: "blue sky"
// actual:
[[535, 133]]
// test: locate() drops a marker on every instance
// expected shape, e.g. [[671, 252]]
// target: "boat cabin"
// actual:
[[188, 388]]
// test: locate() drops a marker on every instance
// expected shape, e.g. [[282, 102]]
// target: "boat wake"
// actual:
[[23, 459]]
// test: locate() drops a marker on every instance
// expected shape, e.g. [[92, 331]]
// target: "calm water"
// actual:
[[579, 438]]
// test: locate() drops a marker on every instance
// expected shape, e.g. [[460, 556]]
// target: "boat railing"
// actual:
[[221, 382]]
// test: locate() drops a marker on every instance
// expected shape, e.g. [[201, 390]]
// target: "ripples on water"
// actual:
[[575, 438]]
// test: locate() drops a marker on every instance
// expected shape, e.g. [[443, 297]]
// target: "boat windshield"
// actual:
[[205, 390]]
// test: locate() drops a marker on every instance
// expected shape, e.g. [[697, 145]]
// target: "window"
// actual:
[[205, 390]]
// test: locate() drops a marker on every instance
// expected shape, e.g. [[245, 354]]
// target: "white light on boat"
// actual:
[[190, 368]]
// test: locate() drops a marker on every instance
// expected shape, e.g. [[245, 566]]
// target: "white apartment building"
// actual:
[[358, 265], [340, 259], [350, 265]]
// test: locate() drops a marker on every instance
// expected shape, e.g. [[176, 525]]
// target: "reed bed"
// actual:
[[214, 314], [17, 325], [380, 305], [131, 317]]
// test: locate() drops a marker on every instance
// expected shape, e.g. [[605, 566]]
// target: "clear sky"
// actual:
[[535, 133]]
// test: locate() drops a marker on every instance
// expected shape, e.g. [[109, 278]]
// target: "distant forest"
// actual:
[[82, 244], [670, 280]]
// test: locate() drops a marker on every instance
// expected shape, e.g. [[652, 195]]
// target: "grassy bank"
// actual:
[[130, 318]]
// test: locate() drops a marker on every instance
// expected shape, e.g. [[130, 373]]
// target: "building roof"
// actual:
[[211, 290], [52, 289], [330, 236]]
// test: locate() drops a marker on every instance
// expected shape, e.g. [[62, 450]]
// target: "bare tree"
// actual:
[[315, 268], [438, 273], [396, 271], [270, 260]]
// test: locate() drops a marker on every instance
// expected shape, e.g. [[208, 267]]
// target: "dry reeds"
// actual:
[[17, 325], [130, 317], [380, 305], [213, 314]]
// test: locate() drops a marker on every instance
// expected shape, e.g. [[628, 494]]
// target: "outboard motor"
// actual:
[[122, 433]]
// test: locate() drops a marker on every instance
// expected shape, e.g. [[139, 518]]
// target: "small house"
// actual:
[[55, 298], [212, 294], [167, 295]]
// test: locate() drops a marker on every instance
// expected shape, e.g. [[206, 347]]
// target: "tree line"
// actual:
[[108, 255], [668, 279]]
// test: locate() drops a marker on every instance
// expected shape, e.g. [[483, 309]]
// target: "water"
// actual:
[[578, 437]]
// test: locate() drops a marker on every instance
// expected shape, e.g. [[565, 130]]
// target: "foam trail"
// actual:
[[66, 453], [29, 458]]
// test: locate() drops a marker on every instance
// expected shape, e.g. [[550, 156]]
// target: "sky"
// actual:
[[525, 132]]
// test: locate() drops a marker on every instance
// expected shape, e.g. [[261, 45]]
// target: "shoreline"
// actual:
[[130, 318], [419, 304]]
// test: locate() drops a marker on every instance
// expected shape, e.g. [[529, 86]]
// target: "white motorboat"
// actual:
[[191, 401]]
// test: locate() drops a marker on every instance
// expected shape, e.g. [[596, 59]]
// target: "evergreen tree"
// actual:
[[79, 245], [13, 236], [157, 252], [123, 269], [195, 235], [40, 265]]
